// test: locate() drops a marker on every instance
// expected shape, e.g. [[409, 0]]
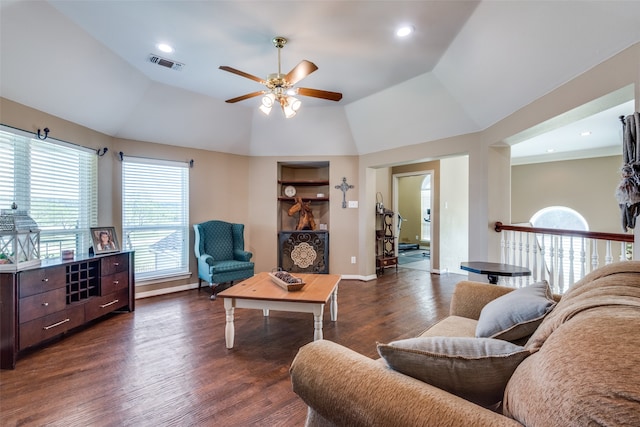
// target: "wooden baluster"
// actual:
[[608, 258], [514, 248], [623, 251], [543, 261], [560, 240], [527, 250], [503, 258], [520, 251], [583, 258], [594, 254], [534, 267], [571, 262], [552, 259]]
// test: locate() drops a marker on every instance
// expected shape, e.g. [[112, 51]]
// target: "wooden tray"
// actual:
[[285, 285]]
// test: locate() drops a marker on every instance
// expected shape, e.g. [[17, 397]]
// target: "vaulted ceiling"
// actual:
[[467, 65]]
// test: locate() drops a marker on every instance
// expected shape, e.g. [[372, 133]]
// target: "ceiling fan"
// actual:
[[280, 87]]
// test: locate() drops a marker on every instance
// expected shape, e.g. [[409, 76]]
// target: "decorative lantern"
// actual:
[[19, 240]]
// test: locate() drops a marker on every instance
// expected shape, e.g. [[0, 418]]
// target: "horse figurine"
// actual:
[[305, 218]]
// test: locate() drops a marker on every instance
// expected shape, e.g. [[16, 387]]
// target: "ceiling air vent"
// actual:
[[155, 59]]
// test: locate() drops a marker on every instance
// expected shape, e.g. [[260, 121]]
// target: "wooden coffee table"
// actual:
[[259, 292]]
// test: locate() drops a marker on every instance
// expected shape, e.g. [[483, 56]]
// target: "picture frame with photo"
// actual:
[[105, 240]]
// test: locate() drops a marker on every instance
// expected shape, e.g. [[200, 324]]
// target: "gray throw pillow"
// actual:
[[516, 314], [476, 369]]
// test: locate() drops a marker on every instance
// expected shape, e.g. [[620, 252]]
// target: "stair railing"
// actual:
[[562, 257]]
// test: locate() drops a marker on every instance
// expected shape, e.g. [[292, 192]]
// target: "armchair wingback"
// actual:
[[219, 249]]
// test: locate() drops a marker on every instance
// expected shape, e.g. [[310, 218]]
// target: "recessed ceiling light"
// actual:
[[165, 48], [586, 133], [404, 31], [551, 150]]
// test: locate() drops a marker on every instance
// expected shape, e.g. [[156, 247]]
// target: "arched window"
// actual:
[[573, 250], [559, 217]]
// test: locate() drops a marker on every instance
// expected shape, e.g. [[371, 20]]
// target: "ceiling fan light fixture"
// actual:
[[290, 106], [265, 110], [268, 100], [294, 103], [280, 87], [288, 112], [267, 103]]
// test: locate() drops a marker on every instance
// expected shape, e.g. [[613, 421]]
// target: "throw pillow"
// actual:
[[476, 369], [516, 314]]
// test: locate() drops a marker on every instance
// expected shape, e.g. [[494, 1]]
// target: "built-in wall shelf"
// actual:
[[304, 199], [309, 182]]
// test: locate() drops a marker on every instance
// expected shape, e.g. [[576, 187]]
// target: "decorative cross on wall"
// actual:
[[344, 187]]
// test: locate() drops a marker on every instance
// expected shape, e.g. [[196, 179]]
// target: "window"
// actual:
[[561, 217], [56, 183], [155, 216]]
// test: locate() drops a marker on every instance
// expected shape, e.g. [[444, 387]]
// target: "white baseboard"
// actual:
[[165, 291], [358, 277]]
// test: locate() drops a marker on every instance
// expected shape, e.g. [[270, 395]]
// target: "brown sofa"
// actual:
[[583, 368]]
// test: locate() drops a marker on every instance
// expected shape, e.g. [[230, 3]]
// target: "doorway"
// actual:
[[413, 201]]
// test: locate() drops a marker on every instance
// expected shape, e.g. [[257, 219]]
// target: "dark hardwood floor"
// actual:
[[166, 364]]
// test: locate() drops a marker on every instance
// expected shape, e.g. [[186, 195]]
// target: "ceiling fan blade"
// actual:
[[316, 93], [300, 71], [243, 97], [242, 73]]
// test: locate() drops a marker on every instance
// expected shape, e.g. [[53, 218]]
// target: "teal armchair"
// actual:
[[219, 249]]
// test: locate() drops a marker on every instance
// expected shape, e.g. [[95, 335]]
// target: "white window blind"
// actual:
[[155, 216], [56, 183]]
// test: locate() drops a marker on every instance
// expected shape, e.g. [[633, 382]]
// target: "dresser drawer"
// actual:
[[40, 305], [114, 264], [38, 330], [99, 306], [114, 282], [387, 262], [40, 280]]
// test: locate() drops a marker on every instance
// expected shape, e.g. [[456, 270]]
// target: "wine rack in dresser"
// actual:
[[42, 303]]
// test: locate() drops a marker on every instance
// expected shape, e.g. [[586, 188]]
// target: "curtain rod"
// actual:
[[99, 152], [121, 154]]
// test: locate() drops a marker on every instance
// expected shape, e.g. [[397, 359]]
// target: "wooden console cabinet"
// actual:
[[303, 251], [44, 302]]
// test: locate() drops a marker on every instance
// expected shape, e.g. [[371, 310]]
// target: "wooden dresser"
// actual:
[[40, 303]]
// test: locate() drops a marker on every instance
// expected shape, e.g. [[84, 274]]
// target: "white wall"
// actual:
[[454, 221]]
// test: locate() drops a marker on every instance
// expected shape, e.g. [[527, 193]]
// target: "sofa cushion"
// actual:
[[516, 314], [476, 369], [613, 285], [452, 326], [585, 374], [586, 357]]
